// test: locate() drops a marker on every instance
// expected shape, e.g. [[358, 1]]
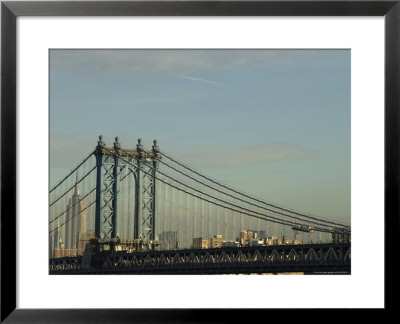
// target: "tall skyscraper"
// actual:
[[56, 243], [76, 227]]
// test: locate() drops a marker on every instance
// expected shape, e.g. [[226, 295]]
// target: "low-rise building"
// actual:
[[200, 243], [62, 253], [216, 241]]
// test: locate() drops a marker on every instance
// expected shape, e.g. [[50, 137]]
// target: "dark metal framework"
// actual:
[[10, 10], [310, 258], [114, 164]]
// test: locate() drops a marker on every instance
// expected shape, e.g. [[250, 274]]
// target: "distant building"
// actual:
[[253, 242], [257, 234], [252, 237], [61, 253], [76, 234], [201, 243], [216, 241], [168, 240], [75, 226], [273, 240], [56, 241], [228, 243], [82, 240]]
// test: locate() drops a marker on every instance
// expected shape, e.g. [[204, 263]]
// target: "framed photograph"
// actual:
[[181, 149]]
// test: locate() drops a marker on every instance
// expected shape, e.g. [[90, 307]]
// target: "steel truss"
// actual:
[[310, 258]]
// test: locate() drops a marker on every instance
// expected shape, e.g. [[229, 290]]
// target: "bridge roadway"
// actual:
[[324, 258]]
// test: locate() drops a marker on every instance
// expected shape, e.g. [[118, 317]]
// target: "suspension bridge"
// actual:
[[137, 210]]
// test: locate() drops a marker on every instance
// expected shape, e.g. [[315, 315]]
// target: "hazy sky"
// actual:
[[273, 123]]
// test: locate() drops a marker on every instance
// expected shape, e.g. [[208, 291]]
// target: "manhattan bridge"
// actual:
[[141, 211]]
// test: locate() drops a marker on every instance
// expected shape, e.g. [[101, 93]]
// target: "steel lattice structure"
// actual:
[[110, 162], [310, 258]]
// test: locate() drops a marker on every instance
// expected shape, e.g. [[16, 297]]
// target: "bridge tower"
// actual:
[[111, 162]]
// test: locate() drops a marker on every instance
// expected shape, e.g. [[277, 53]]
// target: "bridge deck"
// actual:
[[309, 258]]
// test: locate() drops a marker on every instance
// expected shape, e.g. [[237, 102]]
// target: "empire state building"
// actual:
[[76, 226]]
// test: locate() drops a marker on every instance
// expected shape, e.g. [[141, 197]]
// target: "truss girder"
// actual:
[[290, 257]]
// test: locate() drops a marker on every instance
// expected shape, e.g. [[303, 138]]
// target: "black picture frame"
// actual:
[[10, 10]]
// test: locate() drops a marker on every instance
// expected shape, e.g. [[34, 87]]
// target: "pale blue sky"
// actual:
[[273, 123]]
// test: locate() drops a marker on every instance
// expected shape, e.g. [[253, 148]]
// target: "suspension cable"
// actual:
[[245, 195], [89, 172], [51, 221], [69, 174], [271, 218], [319, 222], [53, 230], [78, 202]]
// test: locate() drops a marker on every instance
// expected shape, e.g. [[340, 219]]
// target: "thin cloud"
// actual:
[[198, 79], [245, 155], [177, 61]]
